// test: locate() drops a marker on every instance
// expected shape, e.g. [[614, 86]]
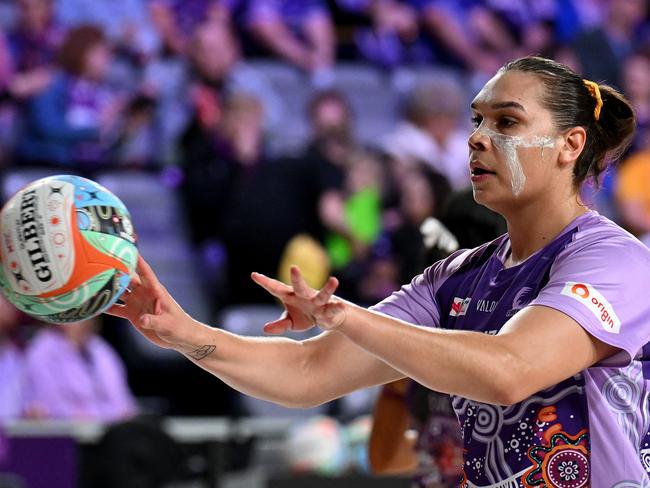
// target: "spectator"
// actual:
[[72, 373], [361, 212], [623, 194], [602, 50], [299, 31], [11, 364], [636, 86], [227, 72], [516, 28], [393, 36], [33, 45], [221, 141], [70, 123], [632, 195], [126, 23], [216, 69], [231, 183], [423, 193], [457, 40], [331, 142], [7, 108], [431, 132], [5, 63], [176, 20], [358, 258], [471, 223], [332, 128]]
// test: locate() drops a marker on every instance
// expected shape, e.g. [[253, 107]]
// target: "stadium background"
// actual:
[[247, 134]]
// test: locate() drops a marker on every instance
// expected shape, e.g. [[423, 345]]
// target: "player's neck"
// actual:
[[531, 228]]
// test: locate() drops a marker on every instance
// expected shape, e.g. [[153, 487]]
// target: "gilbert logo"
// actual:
[[596, 303], [459, 306]]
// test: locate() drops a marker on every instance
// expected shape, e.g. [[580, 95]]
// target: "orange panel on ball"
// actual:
[[95, 262]]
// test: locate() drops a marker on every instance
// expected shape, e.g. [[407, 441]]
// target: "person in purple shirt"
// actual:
[[74, 122], [11, 364], [540, 336], [72, 373]]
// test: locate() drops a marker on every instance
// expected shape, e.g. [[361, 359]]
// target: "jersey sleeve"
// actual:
[[416, 302], [603, 287]]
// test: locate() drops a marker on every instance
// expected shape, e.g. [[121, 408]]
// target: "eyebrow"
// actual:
[[500, 105]]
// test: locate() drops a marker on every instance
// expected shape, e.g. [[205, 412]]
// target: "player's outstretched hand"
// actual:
[[153, 312], [304, 306]]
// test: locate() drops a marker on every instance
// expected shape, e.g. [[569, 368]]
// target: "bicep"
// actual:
[[548, 347], [342, 367]]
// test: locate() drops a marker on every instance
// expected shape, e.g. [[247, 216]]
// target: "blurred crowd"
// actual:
[[322, 133]]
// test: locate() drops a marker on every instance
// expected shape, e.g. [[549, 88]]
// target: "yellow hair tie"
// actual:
[[594, 90]]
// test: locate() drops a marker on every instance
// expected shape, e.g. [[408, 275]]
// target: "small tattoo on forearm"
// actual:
[[201, 352]]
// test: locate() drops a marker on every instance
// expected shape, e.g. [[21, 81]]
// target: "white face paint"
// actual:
[[508, 146]]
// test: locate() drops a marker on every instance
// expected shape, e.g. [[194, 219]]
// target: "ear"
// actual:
[[574, 142]]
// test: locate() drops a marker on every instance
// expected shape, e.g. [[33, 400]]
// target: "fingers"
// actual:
[[279, 326], [145, 272], [135, 280], [300, 287], [324, 295], [118, 311], [274, 287]]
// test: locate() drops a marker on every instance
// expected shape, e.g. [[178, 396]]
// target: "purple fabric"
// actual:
[[31, 50], [63, 383], [86, 102], [189, 13], [11, 381], [294, 13], [4, 450], [591, 428], [43, 462]]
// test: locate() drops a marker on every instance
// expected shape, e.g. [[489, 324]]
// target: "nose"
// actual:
[[478, 141]]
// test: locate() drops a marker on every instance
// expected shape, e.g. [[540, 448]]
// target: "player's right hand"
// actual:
[[153, 311]]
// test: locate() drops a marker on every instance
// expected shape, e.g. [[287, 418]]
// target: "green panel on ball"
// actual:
[[40, 307], [114, 246]]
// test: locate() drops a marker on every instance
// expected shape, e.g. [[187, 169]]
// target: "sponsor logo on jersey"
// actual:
[[523, 297], [596, 303], [459, 306], [486, 305]]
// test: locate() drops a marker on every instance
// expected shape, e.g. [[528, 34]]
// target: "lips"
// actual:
[[477, 168]]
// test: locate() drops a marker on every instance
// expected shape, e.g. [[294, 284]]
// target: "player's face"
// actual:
[[514, 147]]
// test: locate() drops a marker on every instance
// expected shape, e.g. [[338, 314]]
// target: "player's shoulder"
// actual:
[[596, 236]]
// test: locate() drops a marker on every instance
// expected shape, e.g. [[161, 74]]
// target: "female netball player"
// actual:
[[539, 336]]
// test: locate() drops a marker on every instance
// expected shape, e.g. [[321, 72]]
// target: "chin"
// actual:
[[496, 203]]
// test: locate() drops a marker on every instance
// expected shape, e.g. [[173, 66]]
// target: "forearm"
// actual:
[[320, 33], [468, 364], [281, 41], [272, 369], [445, 28]]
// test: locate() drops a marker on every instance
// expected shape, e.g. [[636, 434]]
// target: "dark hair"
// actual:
[[76, 45], [571, 105], [471, 223]]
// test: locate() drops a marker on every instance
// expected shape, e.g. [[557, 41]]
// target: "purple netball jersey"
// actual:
[[589, 430]]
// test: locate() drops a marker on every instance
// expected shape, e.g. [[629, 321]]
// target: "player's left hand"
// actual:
[[304, 306]]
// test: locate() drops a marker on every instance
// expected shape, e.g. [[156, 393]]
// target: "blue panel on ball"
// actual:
[[88, 193]]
